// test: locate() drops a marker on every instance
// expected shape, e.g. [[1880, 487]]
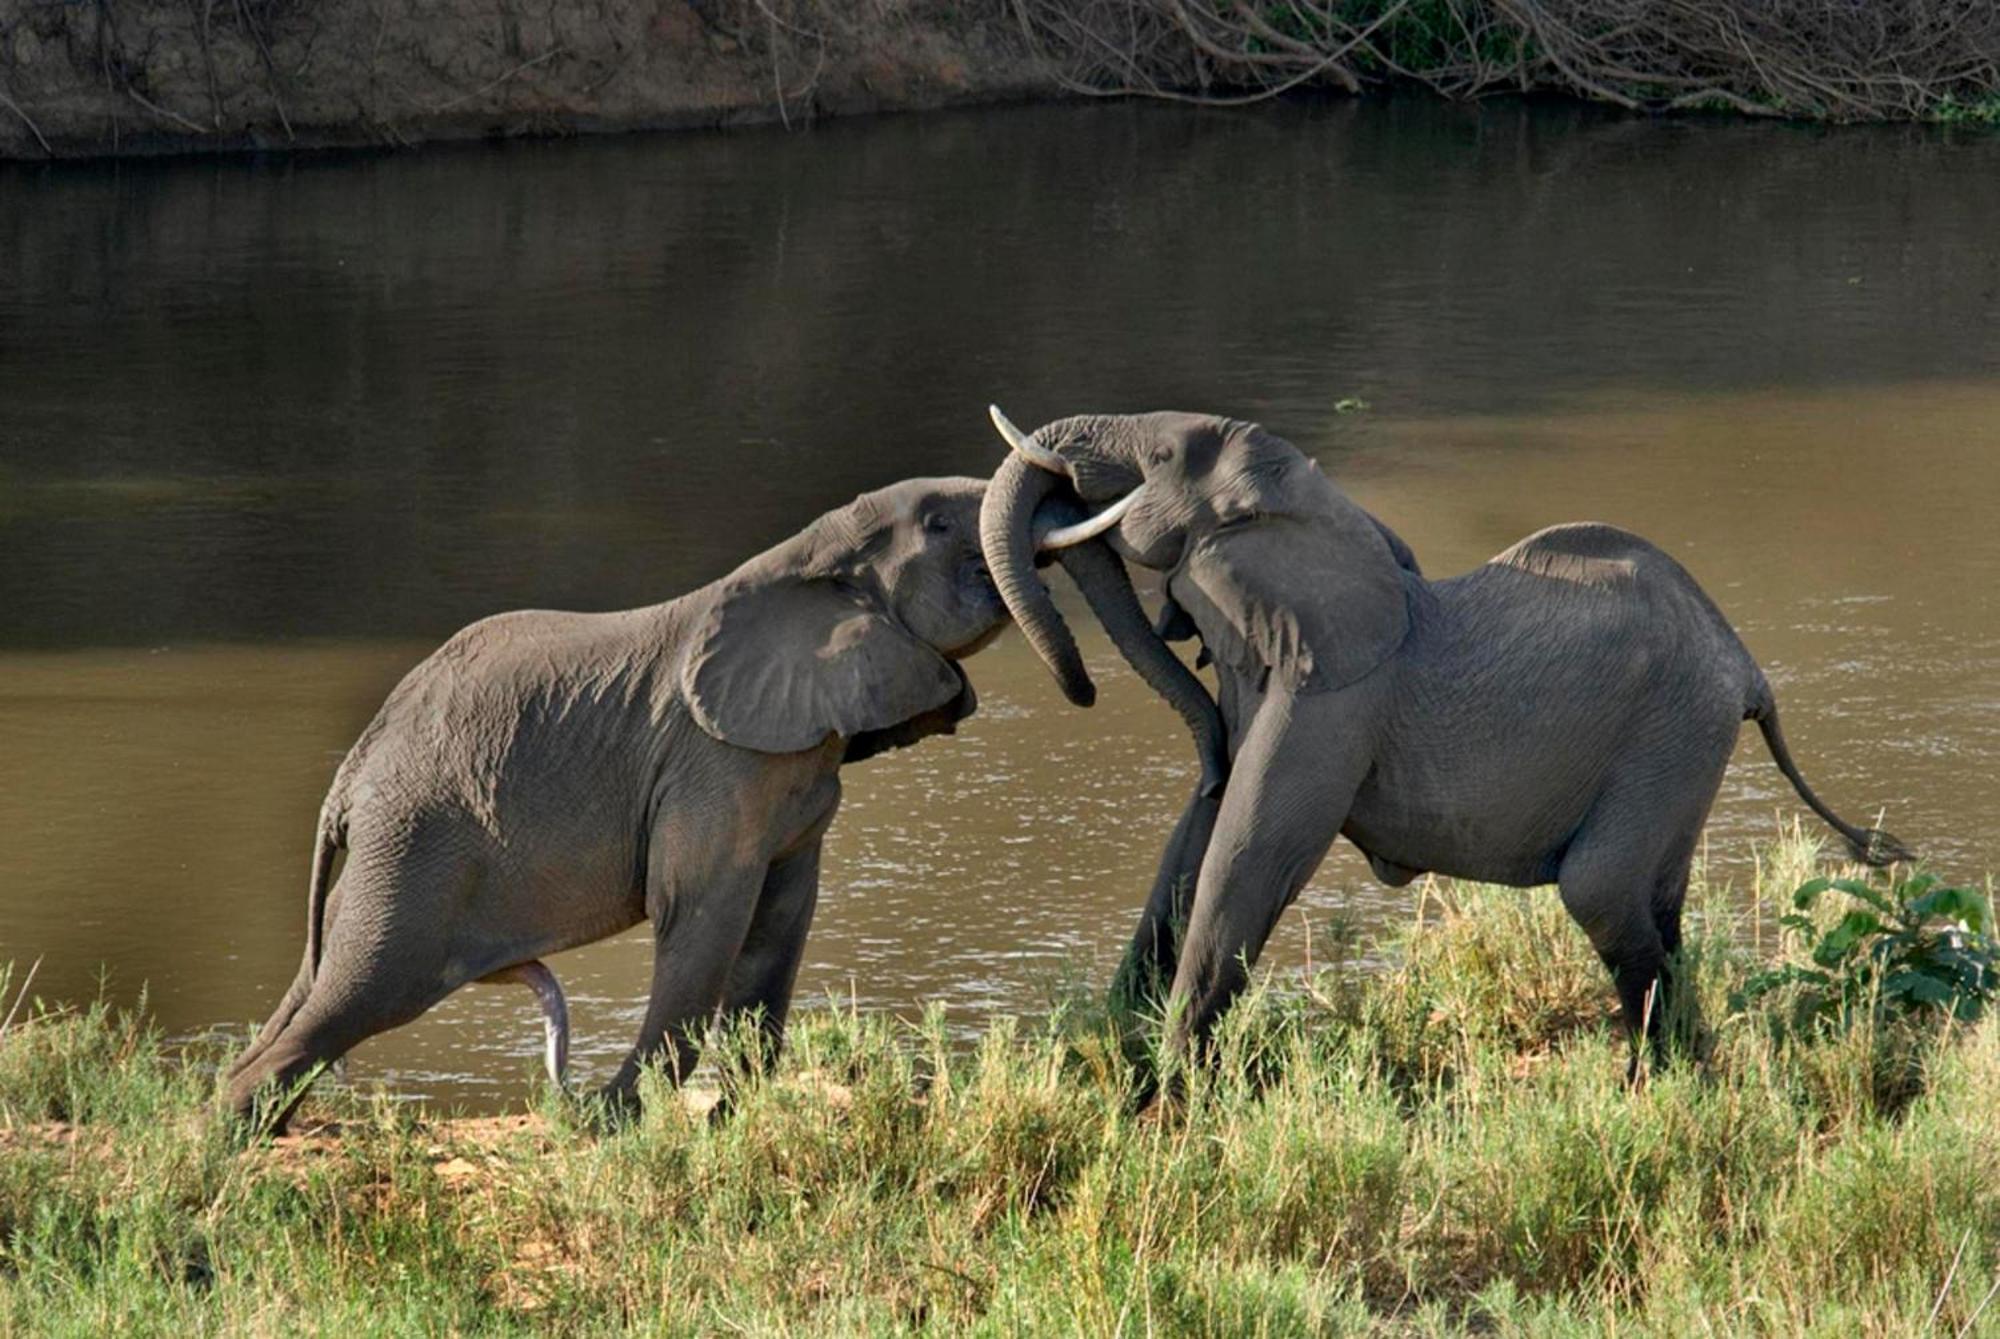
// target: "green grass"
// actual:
[[1446, 1146]]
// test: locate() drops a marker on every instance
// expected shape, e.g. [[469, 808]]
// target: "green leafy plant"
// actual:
[[1916, 947]]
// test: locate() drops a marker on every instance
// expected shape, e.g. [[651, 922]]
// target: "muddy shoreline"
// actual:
[[143, 77]]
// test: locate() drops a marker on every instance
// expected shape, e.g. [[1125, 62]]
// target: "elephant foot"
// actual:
[[1144, 1099], [1157, 1101], [611, 1108]]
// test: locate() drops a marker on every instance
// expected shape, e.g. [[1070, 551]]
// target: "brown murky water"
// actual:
[[269, 432]]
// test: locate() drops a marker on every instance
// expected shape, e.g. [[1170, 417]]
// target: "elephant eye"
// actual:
[[937, 524], [1160, 454]]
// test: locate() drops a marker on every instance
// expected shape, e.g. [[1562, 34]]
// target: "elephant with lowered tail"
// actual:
[[1561, 714], [547, 779]]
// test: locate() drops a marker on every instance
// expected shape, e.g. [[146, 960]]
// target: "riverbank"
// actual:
[[157, 76], [1443, 1147]]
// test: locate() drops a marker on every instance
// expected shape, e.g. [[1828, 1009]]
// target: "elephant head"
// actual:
[[851, 628], [1275, 567], [1029, 509]]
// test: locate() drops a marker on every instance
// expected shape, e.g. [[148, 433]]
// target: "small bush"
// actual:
[[1914, 947]]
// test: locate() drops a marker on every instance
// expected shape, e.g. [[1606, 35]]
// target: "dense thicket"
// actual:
[[125, 76], [1831, 60]]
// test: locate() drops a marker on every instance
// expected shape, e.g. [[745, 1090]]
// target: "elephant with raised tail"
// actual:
[[547, 779], [1561, 714]]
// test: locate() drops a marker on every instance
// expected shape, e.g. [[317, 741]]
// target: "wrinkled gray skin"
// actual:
[[1561, 714], [547, 779]]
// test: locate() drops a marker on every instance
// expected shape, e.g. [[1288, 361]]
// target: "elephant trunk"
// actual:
[[1101, 577], [1007, 533]]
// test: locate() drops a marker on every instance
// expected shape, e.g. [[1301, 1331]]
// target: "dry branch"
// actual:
[[1837, 60]]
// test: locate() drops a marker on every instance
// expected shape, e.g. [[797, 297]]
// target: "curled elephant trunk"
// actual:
[[1101, 577], [1009, 533]]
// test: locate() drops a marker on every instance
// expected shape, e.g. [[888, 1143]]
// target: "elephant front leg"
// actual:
[[698, 932], [1143, 976], [1295, 777], [761, 980]]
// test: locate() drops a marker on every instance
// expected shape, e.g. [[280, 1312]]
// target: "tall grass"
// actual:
[[1445, 1146]]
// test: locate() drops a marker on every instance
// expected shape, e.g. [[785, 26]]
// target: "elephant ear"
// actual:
[[779, 666], [1317, 602]]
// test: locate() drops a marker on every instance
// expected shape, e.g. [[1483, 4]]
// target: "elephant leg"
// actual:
[[761, 979], [1149, 963], [698, 932], [388, 956], [1669, 895], [354, 997], [288, 1008], [324, 1029], [1626, 893], [1294, 778]]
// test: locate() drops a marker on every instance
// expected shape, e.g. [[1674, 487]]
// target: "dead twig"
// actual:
[[157, 110], [22, 997], [1837, 62], [492, 84], [36, 131], [256, 32]]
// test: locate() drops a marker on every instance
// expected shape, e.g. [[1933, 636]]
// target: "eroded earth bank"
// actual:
[[94, 77]]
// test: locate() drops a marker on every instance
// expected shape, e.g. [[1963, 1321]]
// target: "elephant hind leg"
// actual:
[[267, 1091], [288, 1008], [1626, 893], [375, 973], [345, 1008]]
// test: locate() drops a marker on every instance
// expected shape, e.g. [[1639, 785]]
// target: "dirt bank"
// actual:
[[89, 77], [80, 78]]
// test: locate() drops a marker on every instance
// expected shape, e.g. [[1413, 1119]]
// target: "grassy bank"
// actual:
[[1441, 1147]]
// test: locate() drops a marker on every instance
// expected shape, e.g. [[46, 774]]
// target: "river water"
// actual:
[[271, 430]]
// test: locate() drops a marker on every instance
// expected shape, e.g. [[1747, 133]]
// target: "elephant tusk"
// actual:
[[1066, 536], [1026, 445]]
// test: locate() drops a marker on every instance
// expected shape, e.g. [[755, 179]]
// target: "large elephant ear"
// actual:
[[779, 666], [1317, 602]]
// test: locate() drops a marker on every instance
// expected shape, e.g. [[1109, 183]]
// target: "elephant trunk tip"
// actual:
[[1006, 529]]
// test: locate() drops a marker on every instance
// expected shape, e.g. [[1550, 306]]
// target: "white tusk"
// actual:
[[1067, 536], [1025, 444]]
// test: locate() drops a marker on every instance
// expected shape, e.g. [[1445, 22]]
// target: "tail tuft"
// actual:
[[1879, 849], [1871, 846]]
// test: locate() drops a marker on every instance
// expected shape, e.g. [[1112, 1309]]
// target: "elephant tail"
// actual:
[[326, 841], [1871, 846]]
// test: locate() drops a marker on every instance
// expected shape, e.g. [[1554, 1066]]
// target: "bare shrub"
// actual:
[[1834, 60]]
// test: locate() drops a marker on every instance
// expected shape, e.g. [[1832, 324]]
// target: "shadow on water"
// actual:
[[268, 431]]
